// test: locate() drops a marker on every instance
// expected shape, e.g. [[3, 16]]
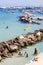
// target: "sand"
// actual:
[[39, 62]]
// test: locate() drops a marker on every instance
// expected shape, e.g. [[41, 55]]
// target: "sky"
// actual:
[[12, 3]]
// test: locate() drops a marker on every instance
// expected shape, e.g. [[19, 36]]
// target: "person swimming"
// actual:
[[20, 53], [6, 27]]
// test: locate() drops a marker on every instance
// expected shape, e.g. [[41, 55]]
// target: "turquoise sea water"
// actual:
[[16, 28]]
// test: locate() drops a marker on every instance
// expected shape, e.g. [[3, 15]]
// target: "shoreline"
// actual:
[[8, 47], [39, 60]]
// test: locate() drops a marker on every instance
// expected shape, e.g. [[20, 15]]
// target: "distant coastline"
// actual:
[[20, 8]]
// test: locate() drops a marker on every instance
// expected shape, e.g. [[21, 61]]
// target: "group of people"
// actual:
[[24, 55]]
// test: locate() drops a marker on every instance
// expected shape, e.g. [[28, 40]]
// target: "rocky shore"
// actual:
[[14, 45], [40, 18], [29, 18]]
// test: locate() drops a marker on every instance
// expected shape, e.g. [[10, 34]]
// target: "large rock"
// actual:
[[12, 48], [32, 37], [18, 38], [17, 44], [38, 35], [41, 30], [40, 18], [1, 48], [0, 58], [5, 53], [9, 42], [21, 43]]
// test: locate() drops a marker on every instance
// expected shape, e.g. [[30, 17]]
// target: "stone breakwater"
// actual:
[[8, 47], [29, 18]]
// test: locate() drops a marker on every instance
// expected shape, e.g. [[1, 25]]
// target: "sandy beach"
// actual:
[[39, 61]]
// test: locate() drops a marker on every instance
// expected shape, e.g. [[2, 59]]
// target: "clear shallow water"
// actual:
[[15, 60], [16, 28]]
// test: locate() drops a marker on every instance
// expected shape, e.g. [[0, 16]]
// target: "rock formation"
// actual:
[[6, 48]]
